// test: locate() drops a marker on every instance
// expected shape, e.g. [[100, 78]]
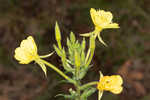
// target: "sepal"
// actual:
[[42, 65]]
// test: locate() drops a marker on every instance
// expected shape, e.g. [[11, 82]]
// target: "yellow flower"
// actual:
[[27, 52], [111, 83], [102, 20]]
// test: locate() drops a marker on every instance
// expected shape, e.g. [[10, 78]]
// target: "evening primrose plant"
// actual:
[[76, 59]]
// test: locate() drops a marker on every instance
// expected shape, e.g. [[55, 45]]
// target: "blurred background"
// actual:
[[127, 54]]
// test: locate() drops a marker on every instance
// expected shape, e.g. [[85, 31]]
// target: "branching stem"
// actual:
[[58, 71]]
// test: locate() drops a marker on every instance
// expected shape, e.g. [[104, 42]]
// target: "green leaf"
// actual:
[[77, 59], [58, 35], [57, 32], [72, 37], [68, 42], [88, 92], [67, 67], [83, 57], [58, 51], [83, 44], [72, 95], [92, 42], [64, 53], [65, 96], [83, 72]]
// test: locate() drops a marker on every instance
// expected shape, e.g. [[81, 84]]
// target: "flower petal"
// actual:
[[117, 90], [93, 15], [107, 16], [27, 51], [113, 25], [22, 56], [29, 45]]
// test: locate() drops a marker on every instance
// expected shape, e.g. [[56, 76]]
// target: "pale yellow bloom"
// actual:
[[111, 83], [102, 20], [27, 52]]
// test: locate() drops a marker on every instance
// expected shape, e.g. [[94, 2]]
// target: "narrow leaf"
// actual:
[[58, 51], [72, 37], [77, 59], [57, 32], [92, 42]]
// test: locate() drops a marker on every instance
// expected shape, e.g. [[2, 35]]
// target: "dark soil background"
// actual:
[[127, 54]]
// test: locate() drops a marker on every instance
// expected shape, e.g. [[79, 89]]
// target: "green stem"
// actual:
[[59, 44], [78, 83], [58, 71], [90, 58], [88, 84], [78, 90], [91, 50], [87, 56]]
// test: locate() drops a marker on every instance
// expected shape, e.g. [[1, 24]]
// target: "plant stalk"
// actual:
[[88, 84], [58, 71], [78, 90]]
